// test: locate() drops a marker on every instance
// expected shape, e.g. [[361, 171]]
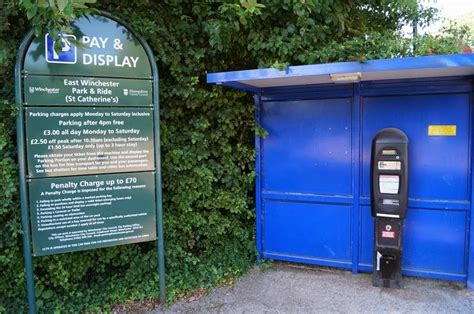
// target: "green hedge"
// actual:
[[207, 134]]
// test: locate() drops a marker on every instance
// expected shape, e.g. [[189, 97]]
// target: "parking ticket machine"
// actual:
[[389, 196]]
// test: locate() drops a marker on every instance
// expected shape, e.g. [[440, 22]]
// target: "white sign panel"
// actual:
[[390, 165], [389, 184]]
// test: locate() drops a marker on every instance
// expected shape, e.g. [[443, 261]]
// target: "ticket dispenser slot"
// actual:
[[389, 197]]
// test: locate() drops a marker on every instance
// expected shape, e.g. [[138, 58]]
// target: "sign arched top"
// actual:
[[99, 45]]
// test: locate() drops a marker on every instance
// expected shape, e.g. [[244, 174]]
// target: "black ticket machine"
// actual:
[[389, 196]]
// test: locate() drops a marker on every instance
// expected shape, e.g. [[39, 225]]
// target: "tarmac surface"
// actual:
[[286, 288]]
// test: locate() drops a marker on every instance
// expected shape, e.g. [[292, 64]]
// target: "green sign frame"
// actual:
[[92, 84]]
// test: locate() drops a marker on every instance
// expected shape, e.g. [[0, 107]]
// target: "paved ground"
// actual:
[[289, 289]]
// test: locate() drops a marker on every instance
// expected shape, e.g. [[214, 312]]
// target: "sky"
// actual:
[[453, 8], [449, 9]]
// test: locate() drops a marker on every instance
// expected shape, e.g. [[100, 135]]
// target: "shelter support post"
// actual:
[[355, 177], [470, 259]]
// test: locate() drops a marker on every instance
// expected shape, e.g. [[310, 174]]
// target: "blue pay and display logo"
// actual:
[[67, 54]]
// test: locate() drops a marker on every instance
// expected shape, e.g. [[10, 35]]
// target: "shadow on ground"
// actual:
[[286, 288]]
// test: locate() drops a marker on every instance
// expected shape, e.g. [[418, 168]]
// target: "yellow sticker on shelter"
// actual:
[[442, 130]]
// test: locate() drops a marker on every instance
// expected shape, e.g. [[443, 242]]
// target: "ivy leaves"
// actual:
[[54, 16]]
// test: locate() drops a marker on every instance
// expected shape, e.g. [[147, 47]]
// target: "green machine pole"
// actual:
[[159, 198], [25, 219], [30, 284], [159, 203]]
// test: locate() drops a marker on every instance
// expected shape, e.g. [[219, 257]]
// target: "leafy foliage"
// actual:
[[452, 36], [54, 16], [207, 132]]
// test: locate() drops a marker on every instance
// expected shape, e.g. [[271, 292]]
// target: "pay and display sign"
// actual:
[[88, 142], [88, 138]]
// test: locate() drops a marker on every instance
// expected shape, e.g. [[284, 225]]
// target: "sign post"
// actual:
[[88, 142]]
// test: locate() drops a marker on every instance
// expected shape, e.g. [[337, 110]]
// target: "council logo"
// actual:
[[67, 54]]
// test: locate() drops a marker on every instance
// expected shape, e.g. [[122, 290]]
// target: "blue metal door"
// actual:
[[307, 184], [435, 236], [313, 187]]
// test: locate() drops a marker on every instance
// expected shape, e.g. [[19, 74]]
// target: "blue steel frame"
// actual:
[[470, 262], [356, 174], [258, 180], [463, 68], [236, 79], [394, 87]]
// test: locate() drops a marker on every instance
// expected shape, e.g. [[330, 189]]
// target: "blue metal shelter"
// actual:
[[313, 183]]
